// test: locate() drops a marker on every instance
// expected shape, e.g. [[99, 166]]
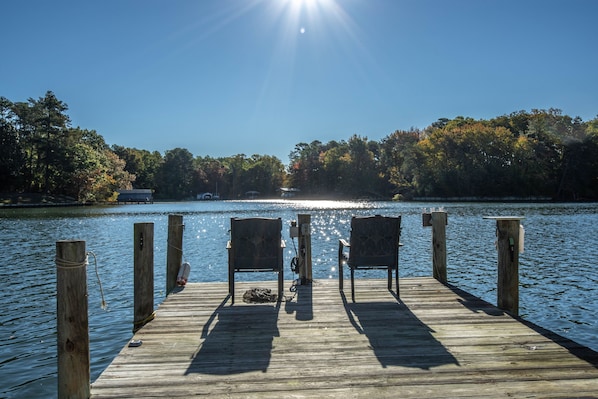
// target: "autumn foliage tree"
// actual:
[[541, 153]]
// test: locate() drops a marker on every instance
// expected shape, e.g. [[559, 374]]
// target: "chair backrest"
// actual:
[[256, 243], [374, 241]]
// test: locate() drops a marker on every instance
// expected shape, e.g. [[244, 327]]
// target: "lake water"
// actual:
[[558, 277]]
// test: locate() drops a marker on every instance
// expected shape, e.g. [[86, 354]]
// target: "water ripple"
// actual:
[[558, 281]]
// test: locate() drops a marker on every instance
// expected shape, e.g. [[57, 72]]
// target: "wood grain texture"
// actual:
[[435, 342]]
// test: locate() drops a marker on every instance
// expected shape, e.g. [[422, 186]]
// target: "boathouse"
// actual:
[[136, 195]]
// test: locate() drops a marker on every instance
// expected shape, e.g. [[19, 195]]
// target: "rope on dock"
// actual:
[[68, 264], [259, 295], [138, 324]]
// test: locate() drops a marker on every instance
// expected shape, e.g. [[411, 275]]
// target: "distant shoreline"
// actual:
[[486, 199], [35, 200]]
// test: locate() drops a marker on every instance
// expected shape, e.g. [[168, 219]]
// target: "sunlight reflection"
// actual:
[[324, 204]]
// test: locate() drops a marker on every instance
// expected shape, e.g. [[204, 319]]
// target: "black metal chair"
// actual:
[[255, 245], [374, 244]]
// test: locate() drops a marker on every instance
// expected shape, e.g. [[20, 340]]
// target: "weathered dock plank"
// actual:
[[436, 342]]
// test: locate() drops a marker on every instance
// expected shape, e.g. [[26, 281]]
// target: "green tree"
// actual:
[[90, 171], [234, 167], [362, 175], [548, 151], [263, 173], [51, 123], [143, 164], [43, 126], [472, 159], [397, 161], [305, 170], [175, 176], [580, 170], [335, 168], [12, 154], [26, 128], [209, 176]]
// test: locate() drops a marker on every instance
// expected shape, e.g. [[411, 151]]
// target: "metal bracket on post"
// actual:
[[294, 229]]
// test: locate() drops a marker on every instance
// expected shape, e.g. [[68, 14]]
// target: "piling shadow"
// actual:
[[477, 305], [474, 303], [236, 339], [303, 306], [396, 335], [582, 352]]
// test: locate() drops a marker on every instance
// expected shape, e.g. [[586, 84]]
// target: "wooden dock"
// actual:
[[437, 341]]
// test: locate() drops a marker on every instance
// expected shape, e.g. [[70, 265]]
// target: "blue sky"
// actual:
[[227, 77]]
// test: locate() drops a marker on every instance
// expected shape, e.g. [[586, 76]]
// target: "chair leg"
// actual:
[[231, 277], [280, 284], [340, 266], [397, 280], [389, 280], [231, 286], [340, 275], [352, 285]]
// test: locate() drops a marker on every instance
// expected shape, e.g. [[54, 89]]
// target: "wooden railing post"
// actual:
[[143, 274], [72, 322], [304, 239], [174, 253], [438, 220], [507, 244]]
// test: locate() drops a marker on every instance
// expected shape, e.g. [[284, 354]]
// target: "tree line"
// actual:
[[541, 153]]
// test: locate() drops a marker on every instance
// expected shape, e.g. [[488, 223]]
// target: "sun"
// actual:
[[303, 16], [301, 36], [306, 3]]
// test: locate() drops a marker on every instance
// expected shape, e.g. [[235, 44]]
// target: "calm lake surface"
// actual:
[[558, 276]]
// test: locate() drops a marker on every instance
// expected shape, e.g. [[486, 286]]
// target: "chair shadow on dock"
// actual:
[[396, 335], [237, 339]]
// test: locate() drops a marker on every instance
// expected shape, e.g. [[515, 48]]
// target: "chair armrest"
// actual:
[[342, 257], [342, 243]]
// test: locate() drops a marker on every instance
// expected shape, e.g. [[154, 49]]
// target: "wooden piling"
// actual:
[[305, 271], [72, 321], [507, 244], [439, 222], [174, 253], [143, 274]]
